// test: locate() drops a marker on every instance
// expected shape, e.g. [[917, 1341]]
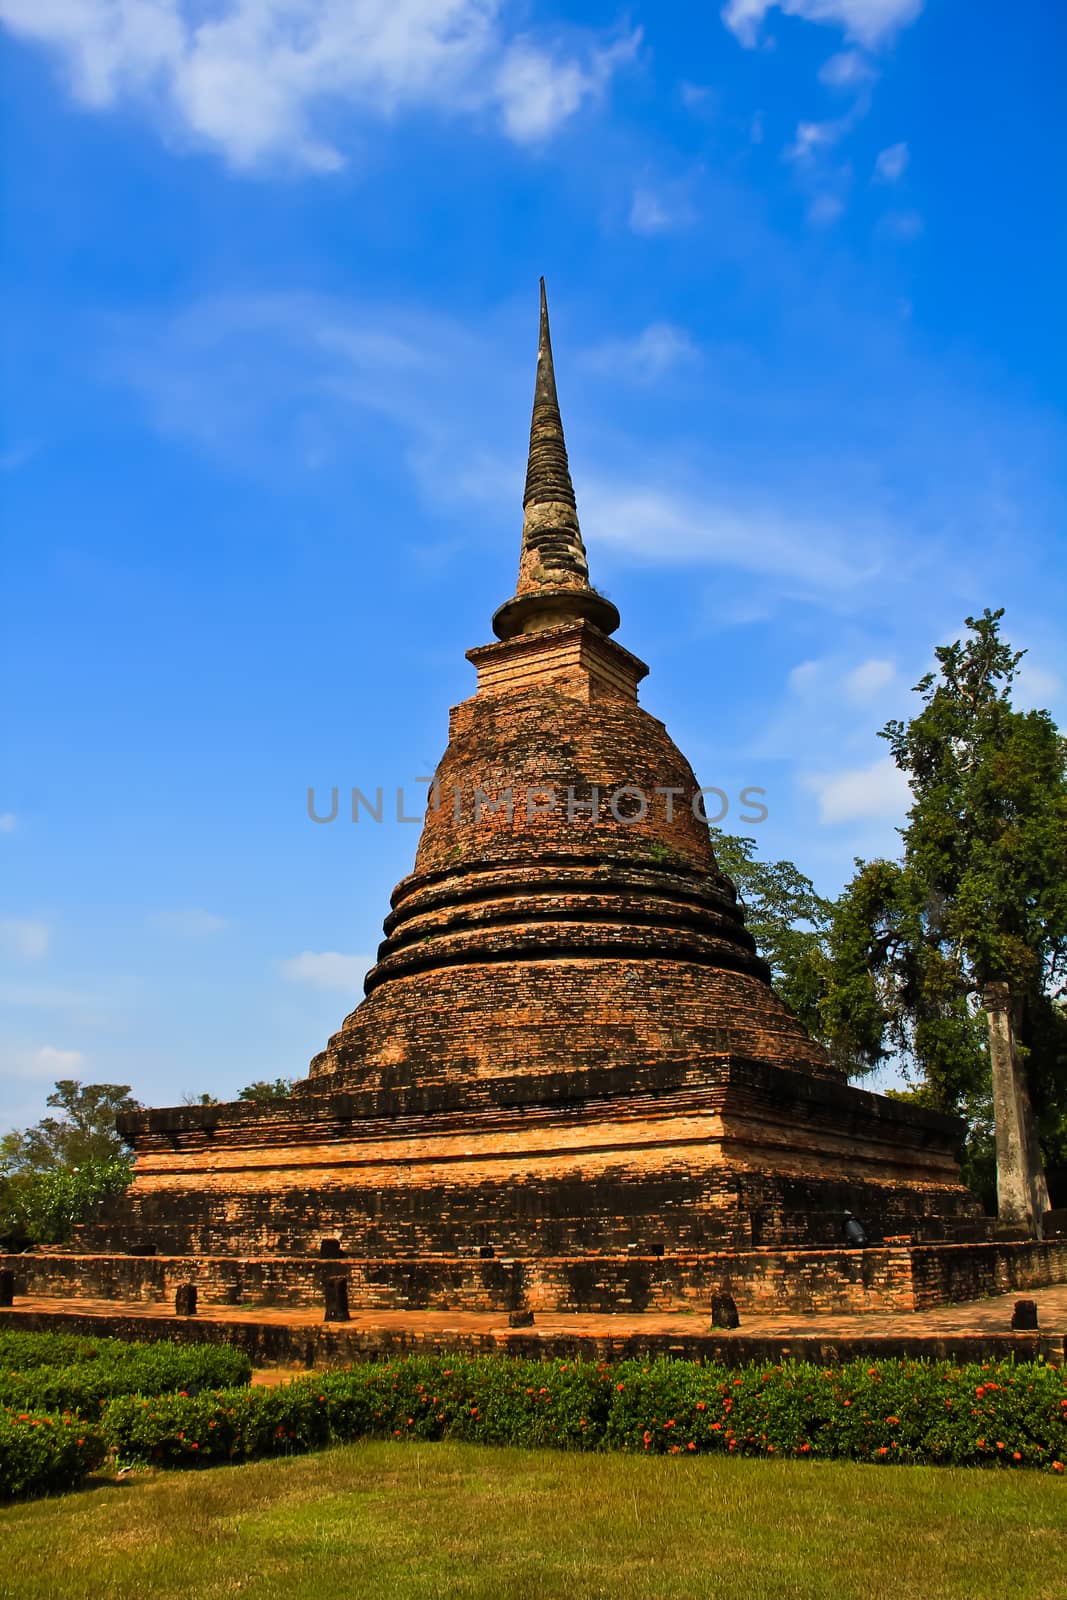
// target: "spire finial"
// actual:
[[553, 586]]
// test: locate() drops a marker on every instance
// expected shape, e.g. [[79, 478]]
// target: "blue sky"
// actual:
[[270, 279]]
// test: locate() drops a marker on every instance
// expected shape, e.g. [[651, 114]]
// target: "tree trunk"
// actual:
[[1022, 1193]]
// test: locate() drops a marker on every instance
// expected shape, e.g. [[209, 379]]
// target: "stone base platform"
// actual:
[[896, 1276], [294, 1338]]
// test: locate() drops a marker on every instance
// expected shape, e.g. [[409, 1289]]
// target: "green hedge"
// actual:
[[43, 1454], [85, 1385], [20, 1351], [887, 1412]]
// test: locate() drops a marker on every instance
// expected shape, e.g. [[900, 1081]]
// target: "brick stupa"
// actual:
[[571, 1085]]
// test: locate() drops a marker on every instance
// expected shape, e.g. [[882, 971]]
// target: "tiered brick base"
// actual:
[[902, 1277], [546, 1195]]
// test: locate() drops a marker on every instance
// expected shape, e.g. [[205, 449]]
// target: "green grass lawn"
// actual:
[[453, 1519]]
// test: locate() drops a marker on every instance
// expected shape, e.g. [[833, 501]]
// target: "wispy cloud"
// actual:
[[192, 923], [657, 350], [23, 938], [868, 680], [538, 90], [662, 208], [8, 822], [825, 209], [327, 969], [869, 22], [812, 138], [267, 82], [892, 163], [17, 455], [43, 1062], [655, 526], [901, 225], [878, 790], [849, 69]]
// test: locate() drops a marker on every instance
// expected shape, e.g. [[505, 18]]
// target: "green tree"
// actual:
[[53, 1174], [790, 922], [263, 1093], [85, 1131], [955, 958]]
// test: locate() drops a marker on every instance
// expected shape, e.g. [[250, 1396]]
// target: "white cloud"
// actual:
[[867, 680], [869, 22], [255, 79], [538, 91], [698, 96], [658, 527], [661, 210], [878, 790], [1035, 686], [902, 225], [658, 349], [8, 822], [191, 924], [825, 209], [812, 138], [45, 1062], [820, 682], [849, 69], [804, 678], [327, 969], [23, 938], [892, 163], [52, 1063]]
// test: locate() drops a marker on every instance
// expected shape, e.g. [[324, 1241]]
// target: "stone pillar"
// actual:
[[724, 1311], [1022, 1194], [336, 1295], [185, 1300]]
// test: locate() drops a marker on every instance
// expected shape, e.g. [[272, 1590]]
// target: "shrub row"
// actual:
[[888, 1412], [43, 1454], [20, 1351], [84, 1385]]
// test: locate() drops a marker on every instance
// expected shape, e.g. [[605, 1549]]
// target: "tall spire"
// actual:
[[553, 586]]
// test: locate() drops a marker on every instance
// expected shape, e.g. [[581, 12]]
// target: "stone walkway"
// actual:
[[968, 1327]]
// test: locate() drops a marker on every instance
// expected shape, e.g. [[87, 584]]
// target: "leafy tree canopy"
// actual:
[[262, 1092], [54, 1174], [85, 1130], [979, 898]]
